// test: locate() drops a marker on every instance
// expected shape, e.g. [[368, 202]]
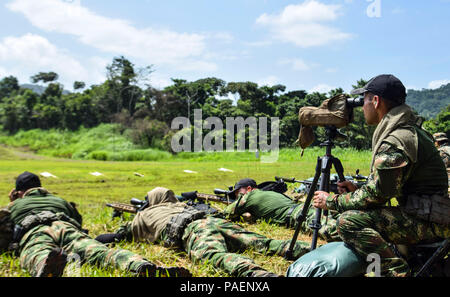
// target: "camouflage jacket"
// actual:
[[444, 151], [260, 204], [379, 189]]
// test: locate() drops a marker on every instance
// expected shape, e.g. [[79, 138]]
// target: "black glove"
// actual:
[[109, 238]]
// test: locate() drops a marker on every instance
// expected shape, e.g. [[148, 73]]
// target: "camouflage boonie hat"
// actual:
[[440, 137]]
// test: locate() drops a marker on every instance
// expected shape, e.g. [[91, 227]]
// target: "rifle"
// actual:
[[358, 179], [134, 207], [221, 196]]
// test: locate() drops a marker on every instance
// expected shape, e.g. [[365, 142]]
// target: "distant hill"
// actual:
[[428, 103], [38, 89]]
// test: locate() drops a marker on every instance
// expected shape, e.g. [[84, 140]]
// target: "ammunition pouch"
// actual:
[[432, 208], [177, 224], [332, 112], [201, 206], [42, 218]]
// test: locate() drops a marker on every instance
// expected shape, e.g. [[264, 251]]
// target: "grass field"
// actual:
[[118, 183]]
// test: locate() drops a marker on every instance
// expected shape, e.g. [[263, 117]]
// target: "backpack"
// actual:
[[275, 186]]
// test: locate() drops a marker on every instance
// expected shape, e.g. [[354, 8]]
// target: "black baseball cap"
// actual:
[[27, 180], [244, 183], [386, 86]]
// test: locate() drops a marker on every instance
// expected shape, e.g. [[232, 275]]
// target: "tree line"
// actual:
[[145, 113]]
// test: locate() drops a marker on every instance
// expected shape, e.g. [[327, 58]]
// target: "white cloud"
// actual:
[[435, 84], [302, 24], [268, 81], [297, 64], [258, 43], [321, 88], [116, 36], [29, 54], [160, 82], [223, 37]]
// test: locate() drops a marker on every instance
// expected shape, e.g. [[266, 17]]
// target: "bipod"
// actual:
[[323, 168]]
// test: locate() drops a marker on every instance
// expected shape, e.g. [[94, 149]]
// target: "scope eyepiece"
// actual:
[[355, 102], [220, 192]]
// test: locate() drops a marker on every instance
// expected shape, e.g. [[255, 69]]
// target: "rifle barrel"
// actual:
[[288, 179]]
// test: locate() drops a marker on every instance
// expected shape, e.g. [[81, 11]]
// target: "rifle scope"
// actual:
[[137, 202], [220, 192], [355, 102]]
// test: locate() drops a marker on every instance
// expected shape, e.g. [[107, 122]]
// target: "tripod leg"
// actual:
[[339, 168], [305, 208]]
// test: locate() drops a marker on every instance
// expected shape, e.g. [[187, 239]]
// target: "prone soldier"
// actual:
[[47, 228], [252, 204], [204, 238]]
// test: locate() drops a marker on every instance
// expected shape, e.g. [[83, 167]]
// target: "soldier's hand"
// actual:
[[346, 186], [320, 199], [13, 195]]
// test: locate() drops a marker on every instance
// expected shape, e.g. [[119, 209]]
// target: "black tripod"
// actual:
[[323, 168]]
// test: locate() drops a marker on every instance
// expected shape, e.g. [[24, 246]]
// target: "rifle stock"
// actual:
[[135, 206], [121, 207]]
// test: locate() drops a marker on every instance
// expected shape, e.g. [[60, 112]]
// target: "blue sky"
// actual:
[[311, 45]]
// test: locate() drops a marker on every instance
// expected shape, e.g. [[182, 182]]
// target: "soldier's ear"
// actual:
[[376, 101]]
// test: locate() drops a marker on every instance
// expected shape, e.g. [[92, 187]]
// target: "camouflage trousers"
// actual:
[[372, 231], [39, 241], [327, 232], [216, 241]]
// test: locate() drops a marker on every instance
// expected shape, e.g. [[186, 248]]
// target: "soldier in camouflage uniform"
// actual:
[[253, 203], [405, 165], [204, 238], [47, 228], [441, 142]]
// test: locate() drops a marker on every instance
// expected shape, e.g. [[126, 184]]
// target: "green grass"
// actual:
[[90, 193]]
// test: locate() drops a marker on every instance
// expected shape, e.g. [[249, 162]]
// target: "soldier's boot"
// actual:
[[53, 265], [151, 270]]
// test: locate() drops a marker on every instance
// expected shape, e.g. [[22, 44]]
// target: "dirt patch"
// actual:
[[18, 153]]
